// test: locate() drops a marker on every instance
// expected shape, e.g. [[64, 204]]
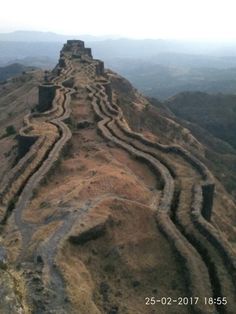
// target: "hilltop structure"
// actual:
[[97, 217]]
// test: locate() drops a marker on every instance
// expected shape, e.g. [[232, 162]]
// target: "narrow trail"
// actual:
[[48, 249]]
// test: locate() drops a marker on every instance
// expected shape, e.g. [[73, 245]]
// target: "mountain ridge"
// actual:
[[107, 199], [13, 69]]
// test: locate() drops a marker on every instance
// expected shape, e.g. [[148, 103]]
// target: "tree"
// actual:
[[10, 130]]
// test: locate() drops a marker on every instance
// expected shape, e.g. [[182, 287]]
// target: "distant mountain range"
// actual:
[[13, 70], [163, 80], [35, 36], [127, 47], [159, 68], [215, 113]]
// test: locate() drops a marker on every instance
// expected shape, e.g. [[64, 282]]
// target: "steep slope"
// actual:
[[17, 97], [96, 217], [215, 113], [167, 74], [211, 118]]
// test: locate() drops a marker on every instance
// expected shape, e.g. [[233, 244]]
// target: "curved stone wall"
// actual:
[[112, 127]]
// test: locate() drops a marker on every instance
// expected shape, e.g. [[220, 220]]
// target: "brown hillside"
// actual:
[[105, 202]]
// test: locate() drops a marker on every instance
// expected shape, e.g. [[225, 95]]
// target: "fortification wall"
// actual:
[[184, 250], [46, 96]]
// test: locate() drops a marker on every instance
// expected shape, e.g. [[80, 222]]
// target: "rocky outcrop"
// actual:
[[88, 235], [10, 300], [83, 124]]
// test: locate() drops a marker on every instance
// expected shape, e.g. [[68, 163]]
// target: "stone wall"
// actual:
[[208, 196], [99, 67], [46, 96]]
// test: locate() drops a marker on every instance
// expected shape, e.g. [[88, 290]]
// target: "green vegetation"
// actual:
[[162, 81], [10, 130], [10, 208], [215, 113], [212, 120], [44, 204], [12, 70]]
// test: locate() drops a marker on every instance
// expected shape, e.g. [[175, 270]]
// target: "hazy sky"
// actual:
[[195, 19]]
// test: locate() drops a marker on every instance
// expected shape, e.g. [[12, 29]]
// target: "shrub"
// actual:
[[10, 130]]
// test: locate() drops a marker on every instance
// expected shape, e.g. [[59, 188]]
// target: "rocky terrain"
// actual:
[[104, 201]]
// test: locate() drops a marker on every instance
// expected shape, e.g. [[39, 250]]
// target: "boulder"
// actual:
[[84, 124], [91, 234]]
